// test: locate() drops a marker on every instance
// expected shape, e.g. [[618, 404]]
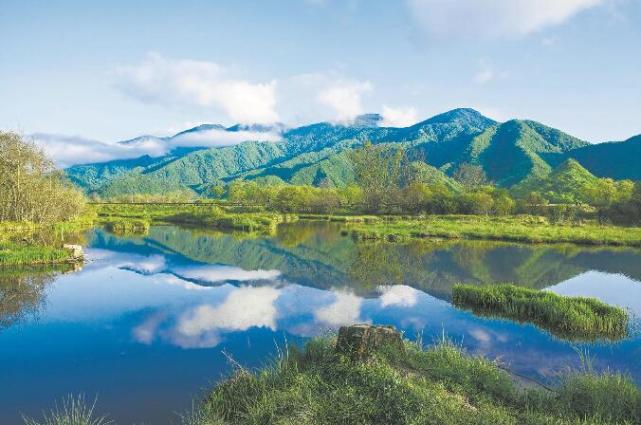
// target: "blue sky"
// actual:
[[113, 70]]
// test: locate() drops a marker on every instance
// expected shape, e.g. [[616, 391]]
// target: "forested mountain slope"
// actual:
[[510, 153]]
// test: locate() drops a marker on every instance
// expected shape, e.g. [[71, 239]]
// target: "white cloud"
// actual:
[[345, 98], [244, 308], [344, 310], [205, 84], [493, 18], [147, 265], [398, 295], [71, 150], [215, 274], [399, 117], [219, 138]]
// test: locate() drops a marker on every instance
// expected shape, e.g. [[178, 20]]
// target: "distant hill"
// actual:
[[511, 153], [618, 160]]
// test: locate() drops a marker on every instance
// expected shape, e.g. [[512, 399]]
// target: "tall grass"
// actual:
[[73, 411], [569, 317]]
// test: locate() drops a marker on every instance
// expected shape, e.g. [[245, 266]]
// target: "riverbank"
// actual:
[[523, 229], [23, 243], [442, 385]]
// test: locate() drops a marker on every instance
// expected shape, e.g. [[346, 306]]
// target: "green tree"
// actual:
[[380, 173], [471, 176]]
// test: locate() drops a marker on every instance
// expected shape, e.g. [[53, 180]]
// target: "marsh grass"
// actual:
[[525, 229], [72, 411], [442, 385], [576, 318]]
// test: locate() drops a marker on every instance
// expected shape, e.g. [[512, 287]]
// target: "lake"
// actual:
[[150, 322]]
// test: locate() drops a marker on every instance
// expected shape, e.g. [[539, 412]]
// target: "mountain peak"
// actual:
[[368, 120], [462, 115], [201, 127]]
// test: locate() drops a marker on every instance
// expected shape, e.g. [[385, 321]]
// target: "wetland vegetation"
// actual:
[[576, 318]]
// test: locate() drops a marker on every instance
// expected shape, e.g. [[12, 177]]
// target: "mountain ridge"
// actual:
[[510, 152]]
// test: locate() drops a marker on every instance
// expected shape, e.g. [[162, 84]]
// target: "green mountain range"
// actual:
[[511, 153]]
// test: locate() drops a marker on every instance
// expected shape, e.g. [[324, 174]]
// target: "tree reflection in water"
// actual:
[[22, 291]]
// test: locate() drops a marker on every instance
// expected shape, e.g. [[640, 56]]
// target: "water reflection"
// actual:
[[154, 313], [22, 292]]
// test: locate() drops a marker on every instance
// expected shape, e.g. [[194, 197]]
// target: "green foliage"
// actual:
[[570, 183], [569, 317]]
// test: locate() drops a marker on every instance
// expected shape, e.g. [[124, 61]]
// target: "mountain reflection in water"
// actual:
[[156, 317]]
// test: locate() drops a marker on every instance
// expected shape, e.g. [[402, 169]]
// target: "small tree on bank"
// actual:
[[31, 189]]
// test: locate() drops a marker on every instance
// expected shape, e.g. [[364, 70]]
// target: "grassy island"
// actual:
[[525, 229], [569, 317]]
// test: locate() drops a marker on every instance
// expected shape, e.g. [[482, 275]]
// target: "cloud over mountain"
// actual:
[[206, 84]]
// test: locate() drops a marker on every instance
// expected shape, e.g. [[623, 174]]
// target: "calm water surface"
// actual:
[[150, 322]]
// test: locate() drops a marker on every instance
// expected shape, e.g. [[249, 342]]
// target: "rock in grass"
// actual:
[[359, 341], [76, 250]]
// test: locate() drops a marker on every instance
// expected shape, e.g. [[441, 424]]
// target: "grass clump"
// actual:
[[73, 411], [577, 318], [442, 385]]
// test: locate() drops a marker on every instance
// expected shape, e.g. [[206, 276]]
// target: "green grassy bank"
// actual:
[[525, 229], [576, 318], [24, 243], [442, 385]]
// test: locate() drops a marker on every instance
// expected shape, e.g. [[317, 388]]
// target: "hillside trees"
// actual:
[[31, 189], [380, 172], [471, 176]]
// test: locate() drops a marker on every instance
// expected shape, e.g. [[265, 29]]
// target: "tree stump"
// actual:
[[359, 341]]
